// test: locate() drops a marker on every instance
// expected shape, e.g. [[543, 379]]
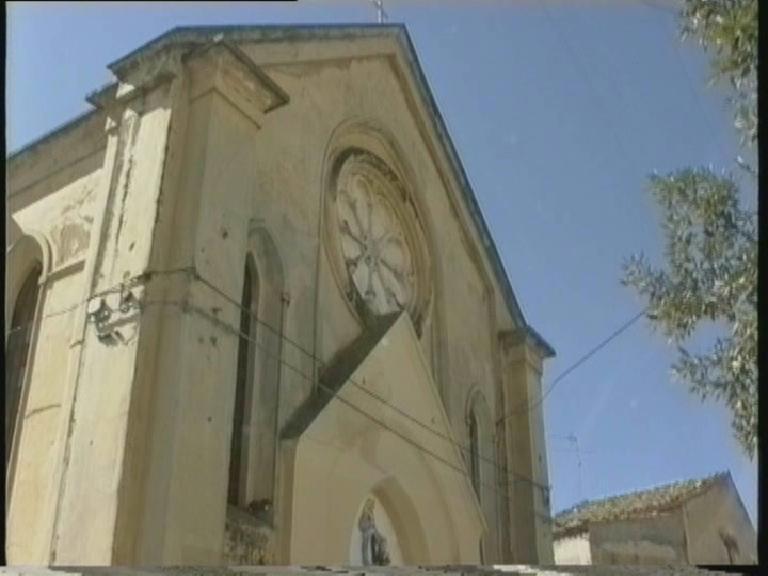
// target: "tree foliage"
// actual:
[[710, 272], [728, 30]]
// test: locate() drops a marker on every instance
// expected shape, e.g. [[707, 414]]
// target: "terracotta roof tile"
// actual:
[[638, 504]]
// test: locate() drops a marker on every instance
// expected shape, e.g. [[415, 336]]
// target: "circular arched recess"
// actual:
[[374, 234], [28, 252]]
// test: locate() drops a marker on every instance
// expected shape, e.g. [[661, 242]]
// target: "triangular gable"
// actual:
[[346, 41], [350, 41], [372, 437]]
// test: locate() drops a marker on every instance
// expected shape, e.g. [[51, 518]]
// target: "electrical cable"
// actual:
[[362, 388], [334, 395], [190, 270], [575, 365], [319, 361], [114, 289], [464, 449]]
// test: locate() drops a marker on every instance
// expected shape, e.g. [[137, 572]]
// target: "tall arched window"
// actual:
[[255, 424], [238, 456], [480, 462], [17, 351], [474, 452], [474, 462]]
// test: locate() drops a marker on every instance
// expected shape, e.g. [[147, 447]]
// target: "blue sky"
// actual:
[[559, 111]]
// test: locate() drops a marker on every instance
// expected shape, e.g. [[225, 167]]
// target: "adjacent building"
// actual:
[[254, 315], [692, 522]]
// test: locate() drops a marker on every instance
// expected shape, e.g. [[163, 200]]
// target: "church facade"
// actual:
[[254, 315]]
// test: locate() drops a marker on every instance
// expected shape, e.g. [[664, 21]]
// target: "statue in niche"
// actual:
[[374, 543]]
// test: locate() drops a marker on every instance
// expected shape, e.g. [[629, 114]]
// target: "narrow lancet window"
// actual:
[[17, 352], [474, 452], [240, 425]]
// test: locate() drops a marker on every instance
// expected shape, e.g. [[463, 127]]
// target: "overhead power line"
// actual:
[[335, 395], [191, 271], [381, 17], [575, 365], [364, 389]]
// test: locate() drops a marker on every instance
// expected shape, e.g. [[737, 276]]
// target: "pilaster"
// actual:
[[151, 409], [108, 329], [523, 353]]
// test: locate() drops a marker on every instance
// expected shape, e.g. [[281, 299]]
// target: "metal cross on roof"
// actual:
[[380, 10]]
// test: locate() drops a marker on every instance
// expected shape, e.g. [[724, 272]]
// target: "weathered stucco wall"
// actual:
[[343, 456], [656, 540], [460, 329], [191, 171], [573, 550], [701, 529], [324, 96], [50, 195], [714, 516]]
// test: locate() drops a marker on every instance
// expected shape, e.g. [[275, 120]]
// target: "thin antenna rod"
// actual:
[[575, 440]]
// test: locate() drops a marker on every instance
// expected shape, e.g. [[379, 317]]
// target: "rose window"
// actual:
[[376, 244], [373, 244]]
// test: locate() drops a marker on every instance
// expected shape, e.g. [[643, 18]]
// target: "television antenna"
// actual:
[[575, 441]]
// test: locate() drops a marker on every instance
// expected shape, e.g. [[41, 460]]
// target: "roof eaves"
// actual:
[[60, 129], [253, 33], [98, 97], [559, 533], [538, 339], [466, 187], [625, 505]]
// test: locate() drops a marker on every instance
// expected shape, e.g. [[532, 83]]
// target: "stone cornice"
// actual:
[[527, 337], [60, 131], [223, 67], [190, 35], [214, 65], [101, 96], [270, 94]]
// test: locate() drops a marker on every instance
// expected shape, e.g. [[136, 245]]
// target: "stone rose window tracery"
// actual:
[[376, 241], [373, 243]]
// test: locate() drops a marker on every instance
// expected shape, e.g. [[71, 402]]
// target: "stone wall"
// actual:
[[573, 550], [184, 163], [658, 539], [248, 540], [51, 208], [715, 517]]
